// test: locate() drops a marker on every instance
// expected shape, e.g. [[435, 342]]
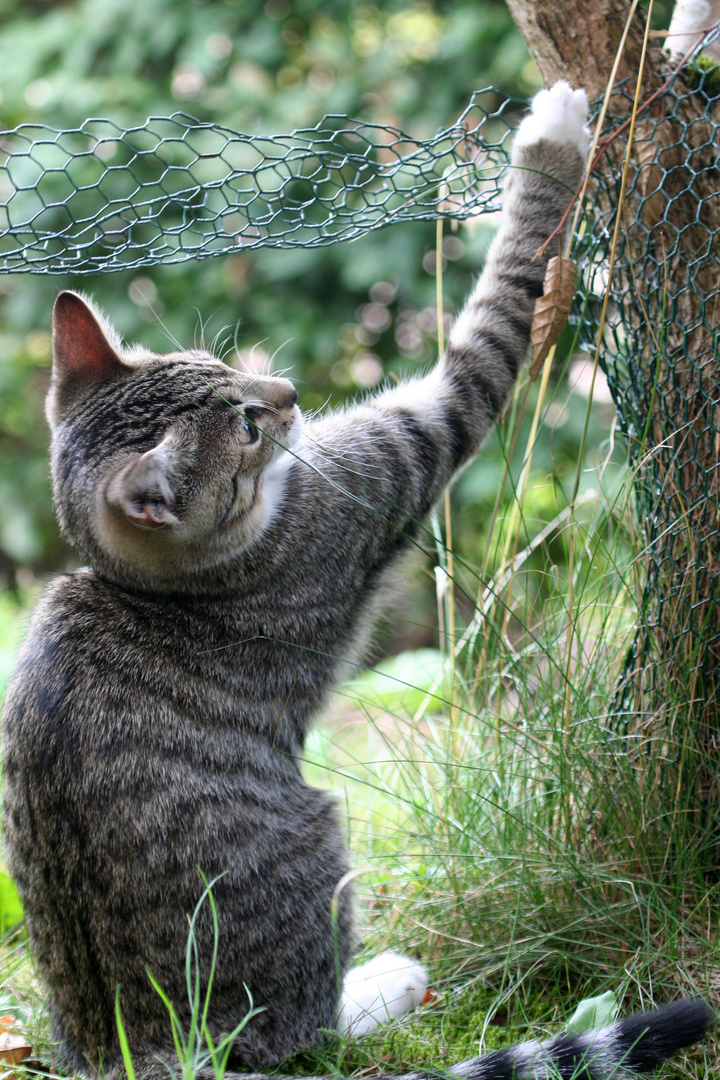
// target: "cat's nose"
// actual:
[[275, 391], [286, 394]]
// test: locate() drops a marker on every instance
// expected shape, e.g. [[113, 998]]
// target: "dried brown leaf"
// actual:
[[551, 309], [14, 1048]]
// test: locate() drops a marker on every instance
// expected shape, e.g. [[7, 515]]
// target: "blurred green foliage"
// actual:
[[337, 318]]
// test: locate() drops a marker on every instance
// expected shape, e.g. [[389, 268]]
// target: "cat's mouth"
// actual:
[[234, 511], [292, 437]]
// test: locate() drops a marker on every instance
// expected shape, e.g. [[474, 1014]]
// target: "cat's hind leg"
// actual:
[[386, 986]]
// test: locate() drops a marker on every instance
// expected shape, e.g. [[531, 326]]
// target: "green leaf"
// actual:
[[11, 909], [592, 1013], [123, 1039]]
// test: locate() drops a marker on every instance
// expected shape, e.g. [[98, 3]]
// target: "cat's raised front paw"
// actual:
[[559, 114]]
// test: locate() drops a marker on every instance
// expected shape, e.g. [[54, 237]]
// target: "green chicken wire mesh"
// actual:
[[103, 198], [660, 353]]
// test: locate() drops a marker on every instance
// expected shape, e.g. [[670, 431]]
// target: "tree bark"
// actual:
[[578, 39], [663, 367]]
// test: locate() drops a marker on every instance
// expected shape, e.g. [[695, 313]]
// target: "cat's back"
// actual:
[[81, 719], [126, 726], [132, 764], [92, 659], [115, 692]]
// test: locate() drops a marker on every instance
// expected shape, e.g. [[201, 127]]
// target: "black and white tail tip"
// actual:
[[628, 1048]]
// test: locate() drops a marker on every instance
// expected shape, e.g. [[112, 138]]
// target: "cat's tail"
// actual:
[[629, 1048]]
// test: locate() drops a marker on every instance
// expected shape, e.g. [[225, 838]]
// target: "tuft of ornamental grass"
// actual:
[[521, 834]]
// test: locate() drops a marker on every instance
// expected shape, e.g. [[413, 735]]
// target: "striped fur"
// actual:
[[161, 699]]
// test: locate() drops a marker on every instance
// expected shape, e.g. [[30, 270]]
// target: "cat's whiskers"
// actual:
[[230, 345], [274, 354], [346, 452], [260, 403], [316, 414], [168, 333], [203, 324], [282, 373], [214, 343], [236, 334]]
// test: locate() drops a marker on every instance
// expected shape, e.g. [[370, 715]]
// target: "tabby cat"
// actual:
[[236, 563]]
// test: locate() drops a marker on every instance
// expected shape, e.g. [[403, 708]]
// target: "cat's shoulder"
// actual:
[[67, 601], [64, 625]]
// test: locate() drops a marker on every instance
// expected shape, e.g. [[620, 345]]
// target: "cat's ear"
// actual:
[[146, 490], [83, 355]]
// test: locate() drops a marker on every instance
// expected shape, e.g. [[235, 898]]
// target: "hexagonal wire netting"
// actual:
[[103, 198], [660, 353]]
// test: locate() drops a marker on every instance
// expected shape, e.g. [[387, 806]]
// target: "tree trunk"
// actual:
[[578, 39], [662, 361]]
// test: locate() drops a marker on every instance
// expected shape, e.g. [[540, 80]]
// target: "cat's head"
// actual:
[[163, 466]]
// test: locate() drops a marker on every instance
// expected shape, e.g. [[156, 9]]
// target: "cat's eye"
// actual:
[[250, 431], [244, 423]]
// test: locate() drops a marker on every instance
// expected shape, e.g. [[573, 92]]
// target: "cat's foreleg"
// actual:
[[489, 340], [440, 420], [386, 986]]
